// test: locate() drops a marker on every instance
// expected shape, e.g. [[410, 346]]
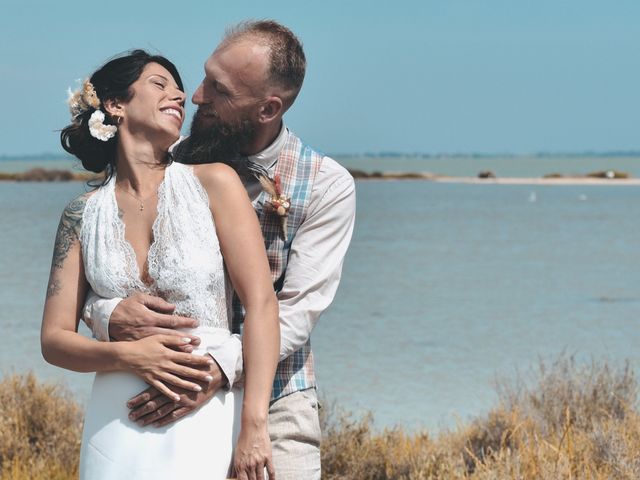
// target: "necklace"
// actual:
[[139, 200]]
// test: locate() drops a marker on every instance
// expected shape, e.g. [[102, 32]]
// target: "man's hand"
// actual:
[[153, 408], [142, 315]]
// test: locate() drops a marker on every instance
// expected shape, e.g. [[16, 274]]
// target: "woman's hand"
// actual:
[[253, 454], [157, 362]]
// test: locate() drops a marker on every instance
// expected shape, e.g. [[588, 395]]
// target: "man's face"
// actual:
[[229, 99]]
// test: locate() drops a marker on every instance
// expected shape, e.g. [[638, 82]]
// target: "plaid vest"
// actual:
[[297, 166]]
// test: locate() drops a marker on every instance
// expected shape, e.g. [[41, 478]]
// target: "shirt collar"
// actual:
[[268, 157]]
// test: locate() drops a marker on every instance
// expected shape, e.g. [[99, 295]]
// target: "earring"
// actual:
[[117, 119]]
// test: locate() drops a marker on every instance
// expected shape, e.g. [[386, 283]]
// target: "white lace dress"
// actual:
[[185, 264]]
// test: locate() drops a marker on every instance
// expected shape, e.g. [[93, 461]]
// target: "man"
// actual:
[[251, 79]]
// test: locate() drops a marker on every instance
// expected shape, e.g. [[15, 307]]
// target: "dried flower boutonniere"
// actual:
[[279, 203]]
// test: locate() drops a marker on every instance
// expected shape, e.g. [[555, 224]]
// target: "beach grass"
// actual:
[[568, 420], [40, 427]]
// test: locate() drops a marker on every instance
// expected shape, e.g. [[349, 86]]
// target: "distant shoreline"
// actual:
[[512, 180], [382, 154], [540, 181], [596, 178], [599, 178]]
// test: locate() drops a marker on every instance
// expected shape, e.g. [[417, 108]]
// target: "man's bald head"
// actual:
[[286, 63]]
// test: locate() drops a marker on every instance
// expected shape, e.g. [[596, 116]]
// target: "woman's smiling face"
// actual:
[[156, 106]]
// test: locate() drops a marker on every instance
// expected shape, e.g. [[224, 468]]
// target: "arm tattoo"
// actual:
[[68, 234], [54, 286]]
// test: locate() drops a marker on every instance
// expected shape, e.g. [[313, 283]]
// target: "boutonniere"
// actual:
[[279, 203]]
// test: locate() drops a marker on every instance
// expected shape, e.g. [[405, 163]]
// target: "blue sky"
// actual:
[[409, 76]]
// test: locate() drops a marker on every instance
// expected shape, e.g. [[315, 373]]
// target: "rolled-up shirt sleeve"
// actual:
[[317, 255], [228, 356], [96, 313]]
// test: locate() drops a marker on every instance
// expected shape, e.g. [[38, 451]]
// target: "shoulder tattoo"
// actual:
[[68, 233]]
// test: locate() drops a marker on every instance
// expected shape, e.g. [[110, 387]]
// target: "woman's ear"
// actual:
[[113, 108], [270, 110]]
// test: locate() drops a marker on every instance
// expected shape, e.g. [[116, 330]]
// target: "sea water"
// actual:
[[445, 288]]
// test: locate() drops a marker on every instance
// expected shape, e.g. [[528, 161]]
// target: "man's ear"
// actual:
[[113, 107], [270, 110]]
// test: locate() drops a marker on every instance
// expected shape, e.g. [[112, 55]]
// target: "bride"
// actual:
[[162, 228]]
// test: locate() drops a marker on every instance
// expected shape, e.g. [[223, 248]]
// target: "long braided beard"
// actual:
[[217, 140]]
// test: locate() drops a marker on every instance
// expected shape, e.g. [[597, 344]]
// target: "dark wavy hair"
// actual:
[[112, 81]]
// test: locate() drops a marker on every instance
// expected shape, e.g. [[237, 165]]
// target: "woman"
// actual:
[[161, 228]]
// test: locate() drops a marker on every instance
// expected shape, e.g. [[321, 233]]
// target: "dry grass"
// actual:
[[40, 429], [568, 422]]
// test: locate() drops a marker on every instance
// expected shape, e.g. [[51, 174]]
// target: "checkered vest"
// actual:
[[297, 165]]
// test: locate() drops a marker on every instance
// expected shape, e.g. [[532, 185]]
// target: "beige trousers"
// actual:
[[294, 428]]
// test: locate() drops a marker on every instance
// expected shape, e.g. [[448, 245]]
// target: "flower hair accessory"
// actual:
[[98, 129], [82, 100], [279, 203]]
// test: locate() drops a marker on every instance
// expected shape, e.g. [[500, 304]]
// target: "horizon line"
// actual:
[[398, 154]]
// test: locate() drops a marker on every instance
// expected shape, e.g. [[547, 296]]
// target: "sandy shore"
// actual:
[[568, 180], [539, 181]]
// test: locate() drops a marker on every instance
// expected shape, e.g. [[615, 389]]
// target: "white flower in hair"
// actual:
[[98, 129]]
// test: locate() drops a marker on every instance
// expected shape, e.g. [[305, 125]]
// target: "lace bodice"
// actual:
[[184, 260]]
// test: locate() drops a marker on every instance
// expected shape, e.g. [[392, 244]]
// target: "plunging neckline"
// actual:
[[131, 258]]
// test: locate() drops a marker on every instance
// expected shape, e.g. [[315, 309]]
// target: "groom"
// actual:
[[251, 79]]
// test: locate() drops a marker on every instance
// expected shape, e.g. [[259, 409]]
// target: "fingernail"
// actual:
[[176, 398], [186, 340], [197, 388], [208, 378], [210, 362]]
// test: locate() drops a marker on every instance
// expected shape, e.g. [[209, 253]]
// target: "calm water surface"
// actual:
[[445, 287]]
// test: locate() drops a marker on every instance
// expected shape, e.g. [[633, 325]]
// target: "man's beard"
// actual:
[[214, 140]]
